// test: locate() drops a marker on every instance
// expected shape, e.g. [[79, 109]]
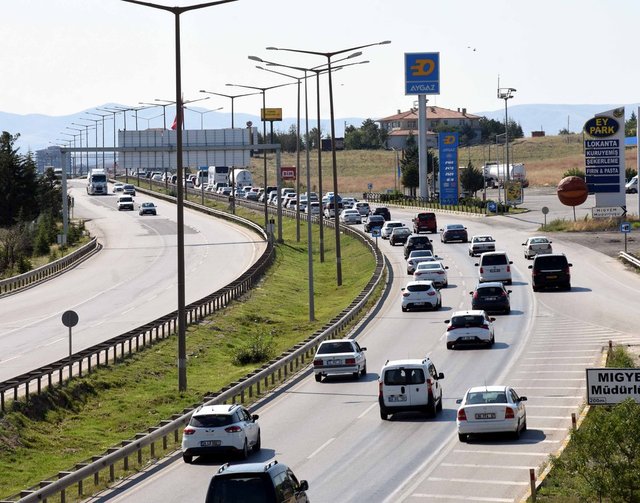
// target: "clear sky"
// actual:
[[59, 57]]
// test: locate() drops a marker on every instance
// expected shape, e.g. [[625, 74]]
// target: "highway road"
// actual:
[[331, 433], [130, 282]]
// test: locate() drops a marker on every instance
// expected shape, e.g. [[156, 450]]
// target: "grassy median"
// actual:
[[68, 425]]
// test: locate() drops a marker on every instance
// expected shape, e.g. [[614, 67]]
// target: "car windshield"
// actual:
[[239, 489], [483, 239], [468, 320], [551, 262], [403, 376], [211, 420], [419, 287], [421, 253], [486, 397], [335, 347], [494, 260], [455, 227], [489, 291]]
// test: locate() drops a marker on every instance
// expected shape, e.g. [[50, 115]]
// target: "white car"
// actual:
[[118, 187], [481, 244], [339, 357], [220, 428], [417, 256], [469, 327], [363, 208], [537, 245], [420, 295], [491, 409], [388, 226], [433, 271], [494, 266], [350, 216], [313, 208]]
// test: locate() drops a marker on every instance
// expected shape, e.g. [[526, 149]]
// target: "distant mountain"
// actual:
[[552, 118], [40, 131]]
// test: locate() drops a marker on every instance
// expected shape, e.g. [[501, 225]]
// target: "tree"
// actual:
[[409, 165], [631, 125], [471, 179], [368, 136]]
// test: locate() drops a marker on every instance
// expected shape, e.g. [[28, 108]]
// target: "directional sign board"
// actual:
[[607, 212], [607, 386], [422, 73]]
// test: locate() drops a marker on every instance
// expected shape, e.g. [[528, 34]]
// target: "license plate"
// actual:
[[209, 443], [486, 415], [494, 270], [334, 362], [491, 299], [469, 338], [397, 398], [418, 303], [552, 276]]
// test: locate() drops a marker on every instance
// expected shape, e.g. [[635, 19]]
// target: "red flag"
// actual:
[[175, 123]]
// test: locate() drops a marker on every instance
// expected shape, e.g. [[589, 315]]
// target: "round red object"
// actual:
[[572, 191]]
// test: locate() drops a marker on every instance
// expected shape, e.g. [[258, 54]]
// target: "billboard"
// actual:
[[422, 73], [448, 153], [607, 386]]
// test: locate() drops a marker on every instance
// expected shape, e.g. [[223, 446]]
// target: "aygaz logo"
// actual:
[[423, 67]]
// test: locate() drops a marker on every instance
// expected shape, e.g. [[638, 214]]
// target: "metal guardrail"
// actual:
[[426, 203], [48, 271], [253, 384], [630, 259]]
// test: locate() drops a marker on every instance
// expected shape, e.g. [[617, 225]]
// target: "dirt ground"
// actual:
[[609, 243]]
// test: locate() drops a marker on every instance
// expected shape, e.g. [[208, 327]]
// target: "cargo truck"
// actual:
[[97, 182]]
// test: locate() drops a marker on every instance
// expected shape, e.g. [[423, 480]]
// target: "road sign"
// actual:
[[544, 210], [271, 114], [492, 207], [608, 386], [375, 232], [625, 227], [288, 172], [607, 212], [369, 186], [69, 318], [422, 73], [203, 168]]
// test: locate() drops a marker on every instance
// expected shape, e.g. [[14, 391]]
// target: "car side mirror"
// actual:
[[447, 321], [492, 319], [304, 485], [446, 267], [470, 293], [255, 417], [524, 244], [530, 267], [476, 265], [570, 265], [510, 261], [363, 349], [508, 291], [441, 375], [402, 289], [523, 398], [459, 401]]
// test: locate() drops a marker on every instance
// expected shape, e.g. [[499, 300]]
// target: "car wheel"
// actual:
[[356, 374], [363, 372], [462, 437], [449, 345], [404, 309], [258, 445], [492, 341], [509, 282], [383, 414], [187, 458], [446, 285], [439, 406], [567, 286], [318, 377], [507, 310], [524, 425], [432, 409], [244, 453], [470, 254], [535, 288]]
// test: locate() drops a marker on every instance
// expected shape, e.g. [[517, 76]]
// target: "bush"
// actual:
[[259, 349], [574, 172]]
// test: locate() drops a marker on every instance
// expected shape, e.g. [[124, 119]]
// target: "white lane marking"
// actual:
[[366, 411], [547, 358], [563, 364], [127, 311], [478, 481], [547, 417], [553, 406], [502, 453], [9, 359], [560, 371], [501, 467], [545, 428], [439, 497], [55, 341], [321, 447], [561, 351], [547, 379]]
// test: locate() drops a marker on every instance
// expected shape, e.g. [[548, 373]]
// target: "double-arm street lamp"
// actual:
[[169, 102], [232, 97], [103, 116], [329, 55], [182, 345], [506, 93], [202, 114], [86, 137], [263, 90], [73, 166]]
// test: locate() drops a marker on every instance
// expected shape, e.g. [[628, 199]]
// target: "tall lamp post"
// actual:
[[202, 114], [86, 137], [232, 97], [73, 165], [506, 93], [114, 112], [95, 126], [182, 345], [164, 108], [334, 162], [149, 119], [263, 90], [103, 116]]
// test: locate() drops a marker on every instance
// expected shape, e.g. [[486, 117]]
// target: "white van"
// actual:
[[409, 385], [631, 187], [494, 266]]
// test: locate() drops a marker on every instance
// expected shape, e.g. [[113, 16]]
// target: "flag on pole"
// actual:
[[175, 123]]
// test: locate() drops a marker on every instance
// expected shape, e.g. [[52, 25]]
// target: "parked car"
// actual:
[[399, 235], [387, 228], [350, 216], [536, 245], [492, 297], [491, 409], [339, 357], [147, 208], [425, 221], [494, 266], [631, 187], [481, 244], [417, 256], [420, 295], [469, 328], [453, 232], [271, 482], [218, 429], [409, 385], [552, 270], [417, 242], [129, 189], [374, 221], [381, 210], [363, 208], [433, 271]]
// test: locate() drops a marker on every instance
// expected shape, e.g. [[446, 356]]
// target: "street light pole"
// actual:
[[329, 55], [103, 116], [182, 346], [506, 93], [202, 114], [86, 137], [232, 99]]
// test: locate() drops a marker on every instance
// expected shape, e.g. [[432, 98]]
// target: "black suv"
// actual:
[[381, 210], [372, 222], [550, 270], [267, 483], [417, 242]]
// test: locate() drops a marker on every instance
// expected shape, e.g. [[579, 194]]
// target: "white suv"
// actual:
[[494, 266], [220, 428], [409, 385]]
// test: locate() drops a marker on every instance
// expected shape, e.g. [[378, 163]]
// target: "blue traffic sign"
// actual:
[[422, 73], [492, 207], [625, 227]]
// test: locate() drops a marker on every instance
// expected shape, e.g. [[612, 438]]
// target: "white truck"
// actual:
[[97, 181], [495, 174], [240, 178]]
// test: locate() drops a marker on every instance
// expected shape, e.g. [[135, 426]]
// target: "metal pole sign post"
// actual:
[[545, 210], [625, 228], [70, 319]]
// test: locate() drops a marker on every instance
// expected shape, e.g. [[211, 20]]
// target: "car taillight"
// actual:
[[566, 270], [431, 293], [380, 389], [486, 327], [429, 386], [233, 429], [318, 363], [350, 361], [508, 413], [406, 294], [508, 268], [503, 294], [188, 431], [451, 328], [462, 415], [481, 270], [475, 295]]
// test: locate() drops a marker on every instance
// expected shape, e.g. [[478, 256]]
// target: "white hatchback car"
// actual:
[[339, 357], [433, 271], [494, 266], [420, 295], [388, 226], [350, 216], [469, 327], [417, 256], [491, 409], [220, 428], [537, 245]]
